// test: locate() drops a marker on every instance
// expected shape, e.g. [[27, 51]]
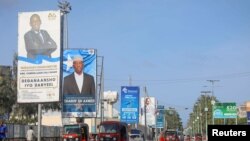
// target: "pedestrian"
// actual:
[[3, 130], [30, 135]]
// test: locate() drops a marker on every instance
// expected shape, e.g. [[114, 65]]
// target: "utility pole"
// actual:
[[101, 90], [206, 109], [213, 81], [200, 117], [213, 100], [145, 112], [130, 80]]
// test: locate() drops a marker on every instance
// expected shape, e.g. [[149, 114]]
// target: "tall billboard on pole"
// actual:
[[160, 118], [225, 110], [38, 75], [130, 104], [79, 83], [150, 112]]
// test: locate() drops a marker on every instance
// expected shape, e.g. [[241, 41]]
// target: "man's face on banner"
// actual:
[[78, 66], [147, 101], [35, 22]]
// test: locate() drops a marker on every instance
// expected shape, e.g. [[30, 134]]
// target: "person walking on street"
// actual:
[[3, 130], [30, 135]]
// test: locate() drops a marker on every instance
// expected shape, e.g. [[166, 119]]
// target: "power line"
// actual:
[[185, 80]]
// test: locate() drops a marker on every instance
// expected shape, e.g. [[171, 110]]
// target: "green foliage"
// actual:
[[7, 98], [173, 120], [202, 103]]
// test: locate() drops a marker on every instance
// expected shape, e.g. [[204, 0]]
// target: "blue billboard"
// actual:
[[130, 104], [160, 118]]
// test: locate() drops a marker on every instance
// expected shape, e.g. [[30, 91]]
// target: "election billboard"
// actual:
[[79, 83], [38, 75], [150, 110], [129, 108]]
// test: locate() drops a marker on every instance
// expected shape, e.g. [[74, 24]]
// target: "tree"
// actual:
[[172, 119], [7, 96], [202, 103]]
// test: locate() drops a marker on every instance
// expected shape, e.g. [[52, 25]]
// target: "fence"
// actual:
[[17, 132]]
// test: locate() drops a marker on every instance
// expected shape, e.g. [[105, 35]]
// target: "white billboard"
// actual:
[[38, 76], [150, 103]]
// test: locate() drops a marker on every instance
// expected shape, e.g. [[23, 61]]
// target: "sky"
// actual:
[[169, 47]]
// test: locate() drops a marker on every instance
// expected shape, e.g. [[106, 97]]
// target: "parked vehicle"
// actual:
[[169, 135], [76, 132], [136, 135], [113, 131]]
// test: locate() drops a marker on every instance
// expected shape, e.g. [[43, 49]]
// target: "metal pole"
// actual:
[[145, 117], [102, 88], [156, 134], [100, 85], [198, 124], [200, 117], [236, 121], [193, 128], [197, 117], [102, 92], [206, 109], [213, 81], [65, 9], [39, 123]]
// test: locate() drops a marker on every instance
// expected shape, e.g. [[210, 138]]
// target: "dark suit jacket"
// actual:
[[70, 86], [34, 45]]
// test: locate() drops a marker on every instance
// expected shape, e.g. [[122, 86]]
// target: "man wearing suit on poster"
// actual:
[[79, 82], [38, 41]]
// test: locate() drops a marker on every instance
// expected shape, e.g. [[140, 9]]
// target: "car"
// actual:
[[136, 135], [169, 135]]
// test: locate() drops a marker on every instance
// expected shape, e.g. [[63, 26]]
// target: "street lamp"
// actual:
[[197, 116], [65, 8], [213, 101], [200, 117], [206, 109]]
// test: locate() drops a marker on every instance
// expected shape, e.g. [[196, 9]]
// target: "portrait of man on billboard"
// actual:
[[37, 40], [39, 65], [79, 83], [150, 111]]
